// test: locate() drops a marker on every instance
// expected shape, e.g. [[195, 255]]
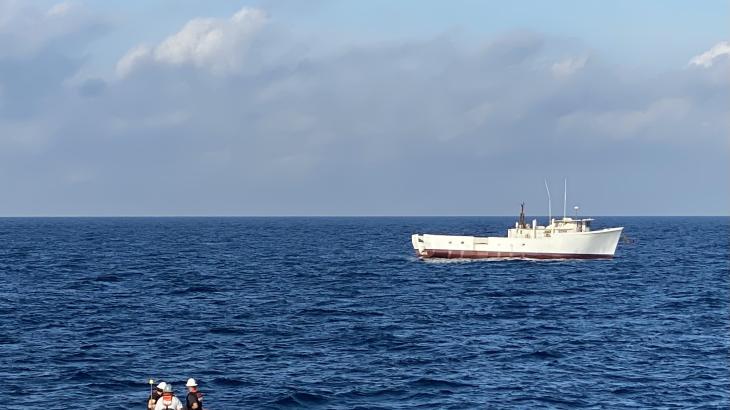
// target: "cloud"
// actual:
[[39, 50], [653, 121], [568, 66], [239, 115], [134, 57], [215, 44], [59, 9], [709, 57], [26, 30]]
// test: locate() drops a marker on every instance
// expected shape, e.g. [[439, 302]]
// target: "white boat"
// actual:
[[565, 238]]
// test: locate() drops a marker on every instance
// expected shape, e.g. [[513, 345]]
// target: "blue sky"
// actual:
[[362, 108]]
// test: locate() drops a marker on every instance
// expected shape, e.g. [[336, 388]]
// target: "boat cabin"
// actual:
[[556, 227]]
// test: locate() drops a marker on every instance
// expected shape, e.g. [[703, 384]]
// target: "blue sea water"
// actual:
[[339, 313]]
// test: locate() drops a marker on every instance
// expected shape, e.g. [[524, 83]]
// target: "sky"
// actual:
[[272, 107]]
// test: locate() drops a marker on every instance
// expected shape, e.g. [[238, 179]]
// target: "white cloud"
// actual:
[[59, 9], [27, 29], [132, 58], [215, 44], [708, 58], [568, 66]]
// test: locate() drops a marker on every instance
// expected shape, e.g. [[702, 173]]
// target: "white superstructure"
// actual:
[[565, 238]]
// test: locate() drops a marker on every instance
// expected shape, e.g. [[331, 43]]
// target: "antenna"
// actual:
[[550, 204], [565, 198]]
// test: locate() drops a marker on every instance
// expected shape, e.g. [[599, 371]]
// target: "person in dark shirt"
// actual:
[[194, 400], [155, 395]]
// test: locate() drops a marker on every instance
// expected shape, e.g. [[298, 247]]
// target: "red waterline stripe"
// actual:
[[456, 254]]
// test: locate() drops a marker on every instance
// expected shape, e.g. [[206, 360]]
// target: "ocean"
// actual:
[[338, 313]]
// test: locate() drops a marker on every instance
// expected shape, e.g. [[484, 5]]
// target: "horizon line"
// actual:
[[355, 216]]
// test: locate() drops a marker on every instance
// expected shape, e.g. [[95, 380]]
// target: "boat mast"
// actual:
[[550, 204], [565, 198]]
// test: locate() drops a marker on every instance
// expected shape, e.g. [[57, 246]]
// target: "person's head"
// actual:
[[160, 387], [167, 391], [191, 384]]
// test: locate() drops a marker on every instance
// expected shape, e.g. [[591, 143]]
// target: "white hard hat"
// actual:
[[162, 385], [191, 383]]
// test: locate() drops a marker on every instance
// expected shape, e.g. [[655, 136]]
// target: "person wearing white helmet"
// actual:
[[194, 400], [168, 401], [155, 395]]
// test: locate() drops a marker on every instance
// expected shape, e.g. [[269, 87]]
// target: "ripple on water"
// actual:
[[339, 313]]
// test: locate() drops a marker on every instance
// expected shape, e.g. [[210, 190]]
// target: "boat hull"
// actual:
[[599, 244]]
